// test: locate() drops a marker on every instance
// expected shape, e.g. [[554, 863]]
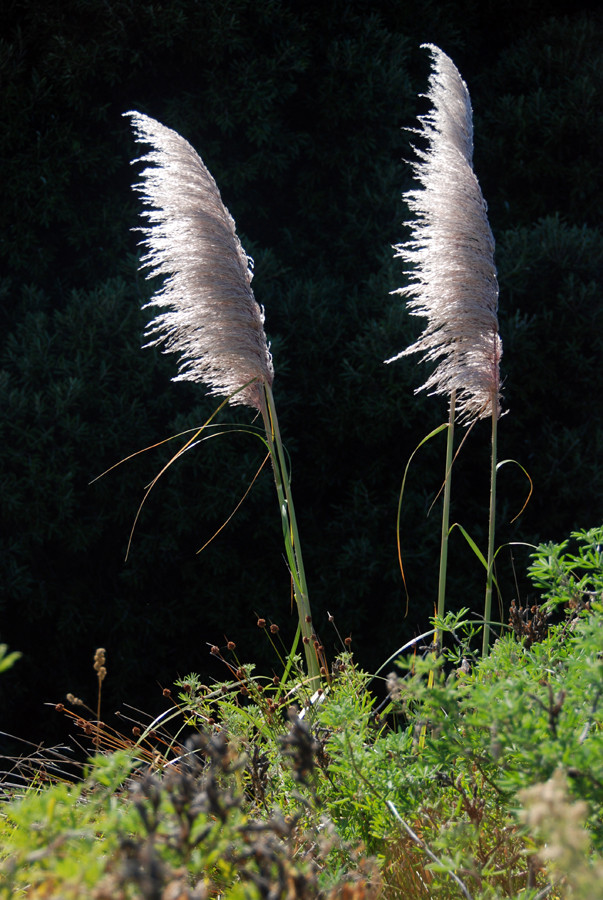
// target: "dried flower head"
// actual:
[[394, 687], [75, 701], [99, 663], [451, 254], [559, 825], [211, 317]]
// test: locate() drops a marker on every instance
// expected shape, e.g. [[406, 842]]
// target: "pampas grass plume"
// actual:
[[210, 316], [451, 254]]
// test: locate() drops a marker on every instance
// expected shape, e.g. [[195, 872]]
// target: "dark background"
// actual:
[[298, 109]]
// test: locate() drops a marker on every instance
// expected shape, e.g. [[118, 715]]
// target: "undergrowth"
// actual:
[[450, 776]]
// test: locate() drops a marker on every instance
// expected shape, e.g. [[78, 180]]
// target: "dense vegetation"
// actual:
[[484, 782], [298, 110]]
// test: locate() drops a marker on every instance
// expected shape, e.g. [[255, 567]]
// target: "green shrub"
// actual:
[[471, 777]]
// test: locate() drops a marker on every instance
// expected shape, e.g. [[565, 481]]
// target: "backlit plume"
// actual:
[[210, 316], [451, 254]]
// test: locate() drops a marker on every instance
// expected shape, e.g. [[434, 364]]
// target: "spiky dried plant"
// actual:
[[211, 317], [451, 254]]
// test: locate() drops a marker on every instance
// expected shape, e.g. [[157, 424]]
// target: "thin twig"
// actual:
[[425, 848], [397, 816]]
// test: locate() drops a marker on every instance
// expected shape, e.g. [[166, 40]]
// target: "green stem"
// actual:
[[491, 532], [290, 532], [446, 512]]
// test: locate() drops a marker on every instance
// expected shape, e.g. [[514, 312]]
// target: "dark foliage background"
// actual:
[[298, 109]]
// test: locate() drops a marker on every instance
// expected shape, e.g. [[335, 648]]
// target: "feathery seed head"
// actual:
[[451, 254], [210, 316]]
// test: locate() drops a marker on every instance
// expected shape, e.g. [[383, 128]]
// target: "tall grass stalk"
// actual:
[[209, 314], [491, 536], [446, 510], [290, 532], [452, 274]]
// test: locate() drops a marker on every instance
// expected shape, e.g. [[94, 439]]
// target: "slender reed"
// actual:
[[452, 275], [208, 313], [290, 532], [491, 531], [446, 509]]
